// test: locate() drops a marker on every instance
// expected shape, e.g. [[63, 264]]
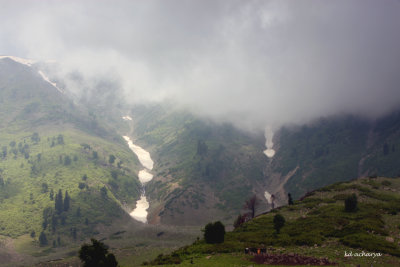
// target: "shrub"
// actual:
[[214, 233], [350, 203]]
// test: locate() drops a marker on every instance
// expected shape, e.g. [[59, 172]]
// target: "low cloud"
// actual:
[[253, 63]]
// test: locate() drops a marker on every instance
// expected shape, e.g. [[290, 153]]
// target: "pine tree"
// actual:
[[279, 222], [51, 195], [42, 239], [54, 223], [66, 201], [290, 201], [59, 205], [350, 203], [73, 232]]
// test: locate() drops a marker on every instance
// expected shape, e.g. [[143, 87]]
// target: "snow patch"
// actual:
[[127, 118], [140, 212], [143, 155], [145, 176], [24, 61], [29, 63], [269, 134], [50, 82], [267, 196]]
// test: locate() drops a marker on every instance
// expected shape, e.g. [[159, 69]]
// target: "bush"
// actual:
[[350, 203], [214, 233]]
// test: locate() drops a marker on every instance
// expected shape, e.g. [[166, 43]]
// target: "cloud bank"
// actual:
[[253, 63]]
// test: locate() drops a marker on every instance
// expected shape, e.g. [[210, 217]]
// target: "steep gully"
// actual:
[[270, 153], [140, 212]]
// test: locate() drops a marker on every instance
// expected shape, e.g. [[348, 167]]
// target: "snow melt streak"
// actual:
[[140, 212], [143, 155], [269, 134]]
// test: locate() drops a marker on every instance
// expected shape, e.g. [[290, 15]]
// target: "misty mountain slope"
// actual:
[[383, 154], [28, 100], [204, 170], [326, 151], [334, 149], [48, 146]]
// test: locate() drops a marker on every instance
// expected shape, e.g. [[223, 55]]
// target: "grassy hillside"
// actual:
[[32, 172], [317, 226], [51, 147]]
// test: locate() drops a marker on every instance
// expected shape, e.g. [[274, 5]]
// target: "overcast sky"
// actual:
[[249, 62]]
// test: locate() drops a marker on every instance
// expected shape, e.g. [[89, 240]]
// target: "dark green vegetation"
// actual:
[[97, 255], [279, 222], [350, 203], [317, 226], [214, 233]]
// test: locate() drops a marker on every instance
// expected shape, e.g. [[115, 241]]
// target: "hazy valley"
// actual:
[[54, 145], [199, 133]]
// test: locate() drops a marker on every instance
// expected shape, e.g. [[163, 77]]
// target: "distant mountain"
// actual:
[[207, 170]]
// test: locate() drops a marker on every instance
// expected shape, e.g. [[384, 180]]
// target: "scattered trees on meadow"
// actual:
[[61, 204], [35, 137]]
